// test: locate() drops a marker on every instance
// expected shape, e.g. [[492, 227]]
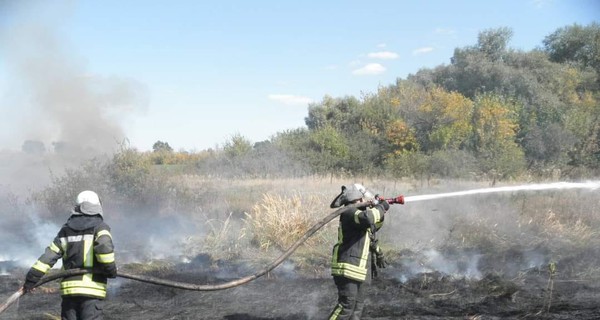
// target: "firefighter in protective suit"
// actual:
[[357, 242], [84, 241]]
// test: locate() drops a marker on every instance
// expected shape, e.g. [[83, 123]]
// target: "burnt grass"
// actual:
[[535, 293]]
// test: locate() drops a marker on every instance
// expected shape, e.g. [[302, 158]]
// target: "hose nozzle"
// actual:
[[399, 199]]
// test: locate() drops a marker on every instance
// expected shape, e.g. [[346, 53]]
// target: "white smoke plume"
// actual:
[[24, 232], [55, 115], [50, 100]]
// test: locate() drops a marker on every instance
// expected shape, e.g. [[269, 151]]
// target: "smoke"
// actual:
[[5, 265], [56, 115], [23, 231], [507, 230], [313, 299], [139, 239], [59, 113], [463, 265], [26, 253]]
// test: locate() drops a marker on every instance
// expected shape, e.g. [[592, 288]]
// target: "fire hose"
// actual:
[[204, 287]]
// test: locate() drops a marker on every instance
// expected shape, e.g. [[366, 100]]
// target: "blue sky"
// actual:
[[194, 73]]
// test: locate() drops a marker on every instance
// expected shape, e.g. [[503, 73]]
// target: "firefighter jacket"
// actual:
[[83, 242], [356, 232]]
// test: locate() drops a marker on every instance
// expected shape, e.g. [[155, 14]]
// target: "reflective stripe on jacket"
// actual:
[[89, 248], [351, 258]]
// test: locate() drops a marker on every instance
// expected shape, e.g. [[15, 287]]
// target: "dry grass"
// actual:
[[157, 265], [225, 240], [279, 221], [266, 217], [567, 221]]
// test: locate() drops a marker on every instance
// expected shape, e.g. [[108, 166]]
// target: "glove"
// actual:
[[385, 205], [374, 272], [28, 286], [373, 247], [112, 274], [110, 270], [380, 260], [379, 200]]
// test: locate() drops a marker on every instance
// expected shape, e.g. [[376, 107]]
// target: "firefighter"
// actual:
[[84, 241], [357, 242]]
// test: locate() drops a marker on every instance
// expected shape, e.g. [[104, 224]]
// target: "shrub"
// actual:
[[278, 221]]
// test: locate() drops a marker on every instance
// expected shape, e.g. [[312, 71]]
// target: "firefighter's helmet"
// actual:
[[88, 203], [88, 196], [351, 194]]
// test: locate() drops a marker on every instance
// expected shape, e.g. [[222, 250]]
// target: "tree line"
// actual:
[[493, 112]]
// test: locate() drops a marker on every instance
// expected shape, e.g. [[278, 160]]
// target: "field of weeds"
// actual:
[[526, 254]]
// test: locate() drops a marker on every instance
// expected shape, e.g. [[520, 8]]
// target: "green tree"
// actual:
[[322, 150], [408, 164], [160, 146], [237, 147], [493, 43], [129, 174], [330, 147], [360, 124], [475, 69], [583, 121], [577, 44], [339, 113], [457, 164]]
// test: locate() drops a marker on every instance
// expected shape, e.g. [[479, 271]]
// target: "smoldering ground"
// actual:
[[481, 257], [505, 256]]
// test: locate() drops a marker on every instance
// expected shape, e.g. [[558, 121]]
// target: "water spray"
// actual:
[[592, 185]]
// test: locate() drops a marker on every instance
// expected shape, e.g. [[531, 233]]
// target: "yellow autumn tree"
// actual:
[[401, 137], [438, 119], [495, 125], [448, 118]]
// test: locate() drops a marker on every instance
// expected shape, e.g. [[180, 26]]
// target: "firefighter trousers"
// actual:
[[81, 308], [350, 299]]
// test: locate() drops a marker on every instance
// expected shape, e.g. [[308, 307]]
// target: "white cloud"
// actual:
[[422, 50], [370, 69], [383, 55], [290, 99]]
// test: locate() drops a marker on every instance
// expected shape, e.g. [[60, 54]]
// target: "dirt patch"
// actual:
[[531, 295]]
